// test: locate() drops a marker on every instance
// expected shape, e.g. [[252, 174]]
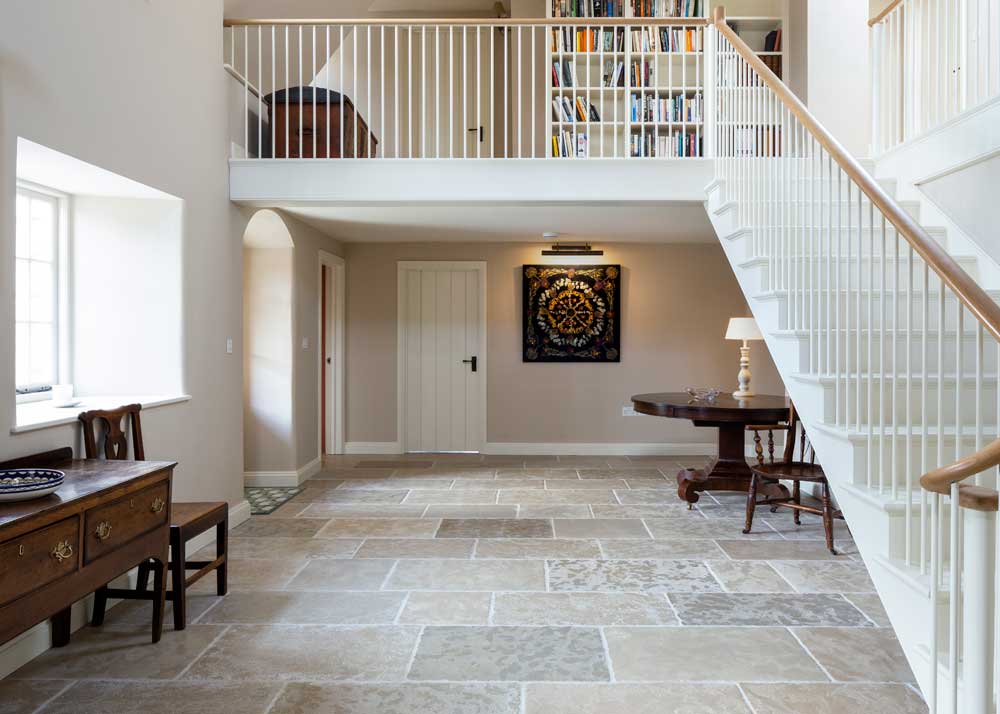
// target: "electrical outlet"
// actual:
[[305, 343], [229, 345], [628, 411]]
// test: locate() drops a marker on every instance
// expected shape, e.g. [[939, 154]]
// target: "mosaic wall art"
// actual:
[[572, 313]]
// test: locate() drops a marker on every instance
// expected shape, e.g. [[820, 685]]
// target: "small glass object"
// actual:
[[703, 394]]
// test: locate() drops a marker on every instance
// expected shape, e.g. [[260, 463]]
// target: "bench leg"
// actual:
[[221, 549], [159, 597], [61, 627], [100, 605], [177, 579]]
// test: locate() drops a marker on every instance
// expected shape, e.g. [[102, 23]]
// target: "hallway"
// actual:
[[497, 585]]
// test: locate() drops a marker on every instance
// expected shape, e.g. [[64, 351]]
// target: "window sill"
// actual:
[[32, 416]]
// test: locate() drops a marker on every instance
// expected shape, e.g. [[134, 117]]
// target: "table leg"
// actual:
[[61, 626]]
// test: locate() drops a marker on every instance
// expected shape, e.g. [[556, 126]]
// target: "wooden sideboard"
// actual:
[[106, 518]]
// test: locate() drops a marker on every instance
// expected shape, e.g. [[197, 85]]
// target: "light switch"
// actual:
[[305, 343], [229, 345]]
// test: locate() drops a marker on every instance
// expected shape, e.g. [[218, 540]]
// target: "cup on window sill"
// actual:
[[62, 395]]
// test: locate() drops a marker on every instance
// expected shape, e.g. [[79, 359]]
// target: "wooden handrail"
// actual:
[[885, 12], [979, 303], [495, 22]]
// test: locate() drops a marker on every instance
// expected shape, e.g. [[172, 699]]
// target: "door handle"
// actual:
[[473, 361], [480, 130]]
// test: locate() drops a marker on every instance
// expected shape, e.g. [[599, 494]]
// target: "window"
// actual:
[[36, 320]]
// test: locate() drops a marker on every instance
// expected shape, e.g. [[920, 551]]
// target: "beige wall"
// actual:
[[157, 116], [676, 301]]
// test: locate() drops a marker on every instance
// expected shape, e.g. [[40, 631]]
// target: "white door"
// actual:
[[442, 356]]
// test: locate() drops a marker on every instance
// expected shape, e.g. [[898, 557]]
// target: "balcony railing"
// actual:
[[931, 61], [470, 89]]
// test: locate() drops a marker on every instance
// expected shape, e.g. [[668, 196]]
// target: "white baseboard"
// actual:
[[611, 449], [283, 479], [373, 447], [25, 647]]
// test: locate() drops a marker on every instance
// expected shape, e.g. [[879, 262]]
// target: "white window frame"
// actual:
[[61, 268]]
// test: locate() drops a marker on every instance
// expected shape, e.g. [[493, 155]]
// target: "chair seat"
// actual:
[[196, 517], [795, 471]]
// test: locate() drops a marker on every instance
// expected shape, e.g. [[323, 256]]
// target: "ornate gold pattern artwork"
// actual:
[[572, 313]]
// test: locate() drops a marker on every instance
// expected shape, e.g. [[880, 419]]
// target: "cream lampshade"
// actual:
[[745, 329]]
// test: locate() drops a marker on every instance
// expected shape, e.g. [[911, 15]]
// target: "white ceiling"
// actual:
[[642, 223]]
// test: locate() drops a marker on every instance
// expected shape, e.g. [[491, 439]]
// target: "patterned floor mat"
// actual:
[[264, 500]]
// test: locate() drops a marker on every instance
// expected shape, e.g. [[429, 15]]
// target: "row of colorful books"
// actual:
[[564, 74], [666, 8], [665, 39], [566, 110], [676, 144], [649, 108], [568, 39], [568, 143], [588, 8]]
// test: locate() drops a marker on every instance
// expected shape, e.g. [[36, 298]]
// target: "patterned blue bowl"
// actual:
[[25, 484]]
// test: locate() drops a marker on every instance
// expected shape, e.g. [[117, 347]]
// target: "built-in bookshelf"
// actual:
[[634, 91]]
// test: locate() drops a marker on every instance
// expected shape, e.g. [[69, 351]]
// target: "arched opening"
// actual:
[[268, 354]]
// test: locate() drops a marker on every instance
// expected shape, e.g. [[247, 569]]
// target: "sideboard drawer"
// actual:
[[37, 558], [114, 524]]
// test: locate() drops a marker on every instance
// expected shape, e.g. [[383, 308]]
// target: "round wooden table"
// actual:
[[729, 471]]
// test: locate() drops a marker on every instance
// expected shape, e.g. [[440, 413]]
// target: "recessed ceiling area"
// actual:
[[633, 223]]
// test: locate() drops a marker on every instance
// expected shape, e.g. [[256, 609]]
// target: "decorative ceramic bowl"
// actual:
[[26, 484]]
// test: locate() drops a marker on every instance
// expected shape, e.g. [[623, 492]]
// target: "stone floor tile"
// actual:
[[765, 610], [660, 549], [396, 483], [495, 528], [536, 549], [121, 652], [134, 697], [600, 528], [825, 577], [416, 548], [355, 496], [446, 608], [139, 613], [666, 496], [21, 696], [288, 509], [463, 496], [268, 653], [833, 698], [597, 609], [460, 511], [253, 574], [653, 576], [412, 698], [271, 527], [811, 528], [749, 576], [535, 472], [467, 575], [775, 550], [657, 483], [649, 510], [321, 575], [569, 484], [380, 528], [722, 510], [305, 608], [502, 483], [634, 699], [284, 548], [542, 511], [857, 654], [510, 654], [680, 528], [557, 498], [625, 472], [871, 605], [360, 510], [743, 654]]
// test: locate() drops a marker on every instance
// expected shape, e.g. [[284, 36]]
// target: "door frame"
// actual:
[[335, 325], [479, 266]]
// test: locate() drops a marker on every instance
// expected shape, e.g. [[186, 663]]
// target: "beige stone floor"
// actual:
[[501, 585]]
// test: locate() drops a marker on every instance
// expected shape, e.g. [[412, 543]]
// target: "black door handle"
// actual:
[[472, 360]]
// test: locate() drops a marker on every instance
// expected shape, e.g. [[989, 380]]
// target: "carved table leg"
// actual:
[[61, 627]]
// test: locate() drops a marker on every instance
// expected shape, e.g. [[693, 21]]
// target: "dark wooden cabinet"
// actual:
[[303, 118], [106, 518]]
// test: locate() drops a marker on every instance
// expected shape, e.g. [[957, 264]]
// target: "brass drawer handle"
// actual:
[[62, 551], [103, 531], [158, 505], [20, 550]]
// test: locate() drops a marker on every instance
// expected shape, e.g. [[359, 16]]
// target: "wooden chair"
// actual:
[[187, 520], [805, 469]]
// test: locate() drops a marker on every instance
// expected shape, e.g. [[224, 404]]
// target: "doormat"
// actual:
[[265, 499]]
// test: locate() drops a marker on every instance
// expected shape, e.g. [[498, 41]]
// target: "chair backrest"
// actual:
[[795, 435], [115, 442]]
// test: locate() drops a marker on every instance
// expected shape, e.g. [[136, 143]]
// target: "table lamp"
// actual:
[[743, 328]]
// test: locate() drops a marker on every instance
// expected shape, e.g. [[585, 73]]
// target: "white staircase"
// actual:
[[888, 346]]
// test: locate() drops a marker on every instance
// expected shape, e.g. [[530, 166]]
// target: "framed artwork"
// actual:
[[572, 313]]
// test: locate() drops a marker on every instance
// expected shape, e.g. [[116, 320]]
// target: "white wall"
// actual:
[[838, 72], [126, 286]]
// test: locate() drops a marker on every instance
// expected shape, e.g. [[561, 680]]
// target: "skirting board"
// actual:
[[614, 449], [373, 447], [25, 647], [283, 479]]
